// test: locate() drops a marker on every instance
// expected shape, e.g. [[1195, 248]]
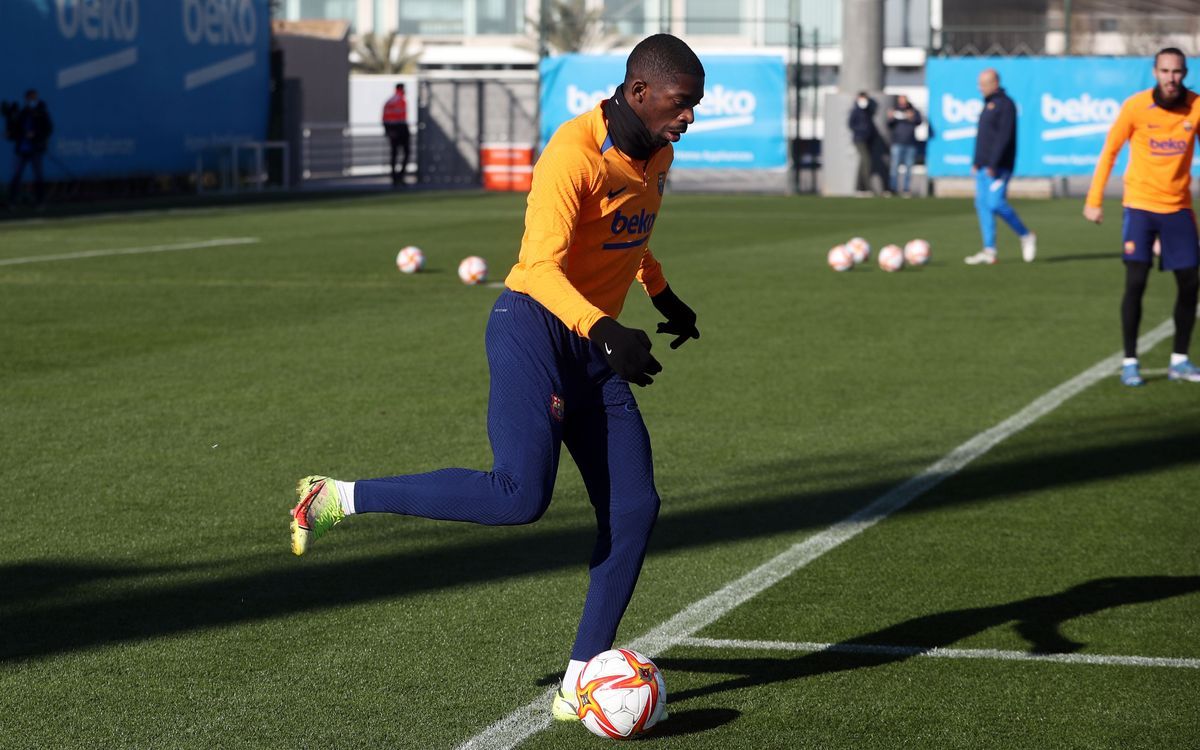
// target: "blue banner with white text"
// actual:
[[739, 123], [137, 86], [1065, 106]]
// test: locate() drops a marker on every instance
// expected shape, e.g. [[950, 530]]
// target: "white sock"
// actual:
[[571, 678], [1129, 361], [346, 495], [991, 250], [1177, 358]]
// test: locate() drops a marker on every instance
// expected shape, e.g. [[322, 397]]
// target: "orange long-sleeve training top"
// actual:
[[588, 221], [1161, 143]]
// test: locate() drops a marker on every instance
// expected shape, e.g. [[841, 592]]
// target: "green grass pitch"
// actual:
[[157, 410]]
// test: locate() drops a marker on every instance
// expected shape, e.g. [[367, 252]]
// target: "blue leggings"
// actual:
[[991, 200], [549, 386]]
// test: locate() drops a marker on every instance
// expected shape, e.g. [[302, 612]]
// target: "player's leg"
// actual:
[[987, 222], [1180, 255], [523, 356], [611, 446], [1138, 231], [14, 185], [909, 155]]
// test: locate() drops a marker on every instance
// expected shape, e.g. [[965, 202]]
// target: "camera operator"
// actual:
[[29, 129]]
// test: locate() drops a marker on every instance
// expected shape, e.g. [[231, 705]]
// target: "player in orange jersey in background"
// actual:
[[1160, 125]]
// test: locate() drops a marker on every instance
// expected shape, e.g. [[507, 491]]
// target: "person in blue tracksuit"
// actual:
[[995, 155]]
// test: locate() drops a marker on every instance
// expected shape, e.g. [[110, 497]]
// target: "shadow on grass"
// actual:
[[37, 620], [1037, 619], [1083, 257]]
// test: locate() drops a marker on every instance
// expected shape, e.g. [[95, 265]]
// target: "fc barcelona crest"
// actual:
[[662, 182], [557, 407]]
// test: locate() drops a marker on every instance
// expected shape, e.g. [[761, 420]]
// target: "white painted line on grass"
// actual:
[[943, 653], [219, 242], [535, 716]]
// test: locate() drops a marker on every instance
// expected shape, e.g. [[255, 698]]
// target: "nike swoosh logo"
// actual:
[[607, 350], [614, 193]]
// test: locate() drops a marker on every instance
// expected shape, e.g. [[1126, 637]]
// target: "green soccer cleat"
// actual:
[[318, 511], [562, 709]]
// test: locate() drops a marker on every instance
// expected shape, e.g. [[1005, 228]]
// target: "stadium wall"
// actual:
[[137, 86]]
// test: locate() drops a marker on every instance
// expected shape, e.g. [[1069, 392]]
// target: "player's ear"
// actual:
[[637, 91]]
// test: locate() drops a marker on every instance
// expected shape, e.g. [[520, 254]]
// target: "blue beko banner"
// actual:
[[137, 86], [1065, 106], [739, 123]]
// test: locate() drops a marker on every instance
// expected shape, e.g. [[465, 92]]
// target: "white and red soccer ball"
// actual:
[[916, 252], [840, 259], [473, 270], [891, 258], [859, 249], [410, 259], [620, 694]]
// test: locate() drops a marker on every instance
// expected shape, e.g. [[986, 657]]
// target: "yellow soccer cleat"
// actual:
[[318, 511], [562, 709]]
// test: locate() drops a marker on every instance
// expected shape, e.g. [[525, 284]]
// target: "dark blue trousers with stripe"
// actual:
[[549, 386]]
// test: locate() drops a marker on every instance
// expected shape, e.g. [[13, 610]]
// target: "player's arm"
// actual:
[[681, 320], [562, 177], [1118, 134]]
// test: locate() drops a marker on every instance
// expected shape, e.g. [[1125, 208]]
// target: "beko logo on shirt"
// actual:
[[635, 224], [1168, 147]]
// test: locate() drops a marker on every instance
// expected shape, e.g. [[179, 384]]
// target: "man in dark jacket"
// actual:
[[862, 126], [902, 123], [995, 154], [29, 129]]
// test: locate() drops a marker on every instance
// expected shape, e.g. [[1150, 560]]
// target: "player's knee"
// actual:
[[638, 515], [527, 503]]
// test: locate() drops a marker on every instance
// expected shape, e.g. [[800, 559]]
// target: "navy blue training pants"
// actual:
[[549, 386]]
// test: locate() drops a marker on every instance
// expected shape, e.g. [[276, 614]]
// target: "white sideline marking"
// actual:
[[534, 717], [219, 242], [944, 653]]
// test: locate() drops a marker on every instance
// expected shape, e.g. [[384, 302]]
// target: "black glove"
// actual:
[[681, 321], [626, 349]]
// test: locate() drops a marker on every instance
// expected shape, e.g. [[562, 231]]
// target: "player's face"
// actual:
[[1169, 72], [667, 107]]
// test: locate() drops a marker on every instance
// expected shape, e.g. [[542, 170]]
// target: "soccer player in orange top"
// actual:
[[1160, 125], [560, 362]]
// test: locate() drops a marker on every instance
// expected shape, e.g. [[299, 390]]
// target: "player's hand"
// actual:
[[681, 321], [627, 351], [974, 169], [991, 173], [1093, 214]]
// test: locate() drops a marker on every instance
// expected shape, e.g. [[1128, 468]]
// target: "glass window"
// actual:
[[626, 17], [713, 17], [499, 16], [431, 17], [325, 10]]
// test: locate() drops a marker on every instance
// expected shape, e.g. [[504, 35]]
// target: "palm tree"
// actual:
[[383, 53], [570, 26]]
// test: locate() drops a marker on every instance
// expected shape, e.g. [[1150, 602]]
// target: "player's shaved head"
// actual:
[[660, 58]]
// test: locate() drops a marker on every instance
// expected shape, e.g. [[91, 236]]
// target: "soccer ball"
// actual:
[[473, 270], [916, 252], [410, 259], [839, 259], [859, 249], [891, 258], [621, 693]]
